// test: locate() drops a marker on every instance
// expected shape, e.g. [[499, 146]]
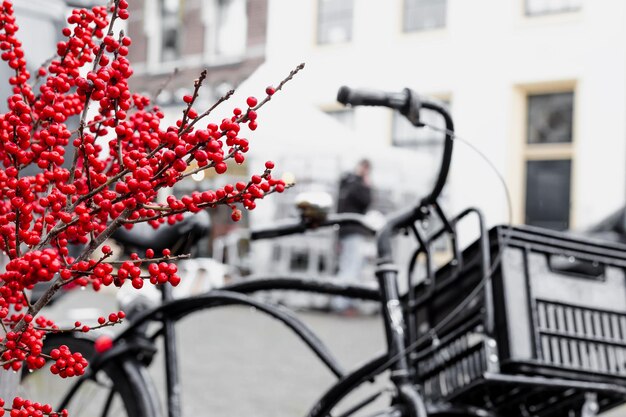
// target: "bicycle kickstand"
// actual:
[[590, 407]]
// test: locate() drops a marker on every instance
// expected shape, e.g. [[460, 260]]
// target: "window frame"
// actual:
[[210, 10], [152, 25], [178, 29], [318, 32], [546, 151], [544, 13], [422, 29]]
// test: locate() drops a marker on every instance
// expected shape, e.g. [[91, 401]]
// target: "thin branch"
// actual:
[[165, 83], [151, 260], [76, 329], [280, 86], [222, 99], [26, 299], [196, 90], [222, 201]]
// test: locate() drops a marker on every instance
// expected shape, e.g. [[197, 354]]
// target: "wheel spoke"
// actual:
[[108, 403]]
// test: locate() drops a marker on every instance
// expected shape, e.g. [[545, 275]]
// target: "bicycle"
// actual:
[[429, 367]]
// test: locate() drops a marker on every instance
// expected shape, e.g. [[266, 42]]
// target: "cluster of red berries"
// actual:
[[25, 346], [66, 363], [163, 272], [33, 267], [158, 272], [121, 156], [21, 407]]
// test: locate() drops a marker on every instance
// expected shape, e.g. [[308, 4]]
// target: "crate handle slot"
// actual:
[[570, 265]]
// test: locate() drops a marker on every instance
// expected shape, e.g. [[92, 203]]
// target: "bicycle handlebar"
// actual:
[[409, 104], [362, 97]]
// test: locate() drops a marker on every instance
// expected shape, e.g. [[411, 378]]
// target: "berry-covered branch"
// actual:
[[121, 155]]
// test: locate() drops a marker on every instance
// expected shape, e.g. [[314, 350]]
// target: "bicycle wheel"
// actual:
[[121, 388]]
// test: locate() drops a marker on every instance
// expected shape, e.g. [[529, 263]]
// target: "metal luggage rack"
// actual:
[[542, 334]]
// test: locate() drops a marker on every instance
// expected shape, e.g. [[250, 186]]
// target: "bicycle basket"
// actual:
[[558, 332]]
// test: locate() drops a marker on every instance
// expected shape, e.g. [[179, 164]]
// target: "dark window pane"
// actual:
[[170, 30], [542, 7], [334, 21], [424, 14], [548, 193], [550, 118]]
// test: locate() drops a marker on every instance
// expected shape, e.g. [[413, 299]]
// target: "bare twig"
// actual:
[[196, 90], [151, 260], [208, 111], [164, 84], [76, 329]]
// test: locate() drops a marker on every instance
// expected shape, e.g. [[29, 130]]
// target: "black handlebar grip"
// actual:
[[359, 97]]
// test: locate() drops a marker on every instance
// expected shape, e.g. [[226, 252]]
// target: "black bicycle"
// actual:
[[482, 336]]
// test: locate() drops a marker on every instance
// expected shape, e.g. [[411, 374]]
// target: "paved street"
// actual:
[[236, 362]]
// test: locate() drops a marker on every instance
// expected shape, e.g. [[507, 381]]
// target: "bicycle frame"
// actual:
[[134, 339]]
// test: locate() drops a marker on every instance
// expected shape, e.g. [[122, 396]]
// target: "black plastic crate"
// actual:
[[558, 313]]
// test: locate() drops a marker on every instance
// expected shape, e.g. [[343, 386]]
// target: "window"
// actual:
[[162, 26], [548, 193], [548, 159], [543, 7], [226, 31], [404, 134], [170, 29], [424, 14], [334, 21], [550, 118]]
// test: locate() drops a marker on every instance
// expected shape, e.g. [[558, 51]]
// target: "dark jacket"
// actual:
[[354, 197]]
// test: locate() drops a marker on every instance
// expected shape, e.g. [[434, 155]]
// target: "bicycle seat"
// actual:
[[179, 237]]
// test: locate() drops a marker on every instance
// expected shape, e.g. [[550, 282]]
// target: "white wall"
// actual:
[[487, 49]]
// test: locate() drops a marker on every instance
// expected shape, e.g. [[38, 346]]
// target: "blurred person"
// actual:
[[355, 196]]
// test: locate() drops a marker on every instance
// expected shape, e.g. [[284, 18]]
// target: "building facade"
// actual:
[[538, 86], [174, 41], [226, 37]]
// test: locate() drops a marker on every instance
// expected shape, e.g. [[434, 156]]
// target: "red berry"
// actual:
[[251, 101], [221, 168], [103, 343]]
